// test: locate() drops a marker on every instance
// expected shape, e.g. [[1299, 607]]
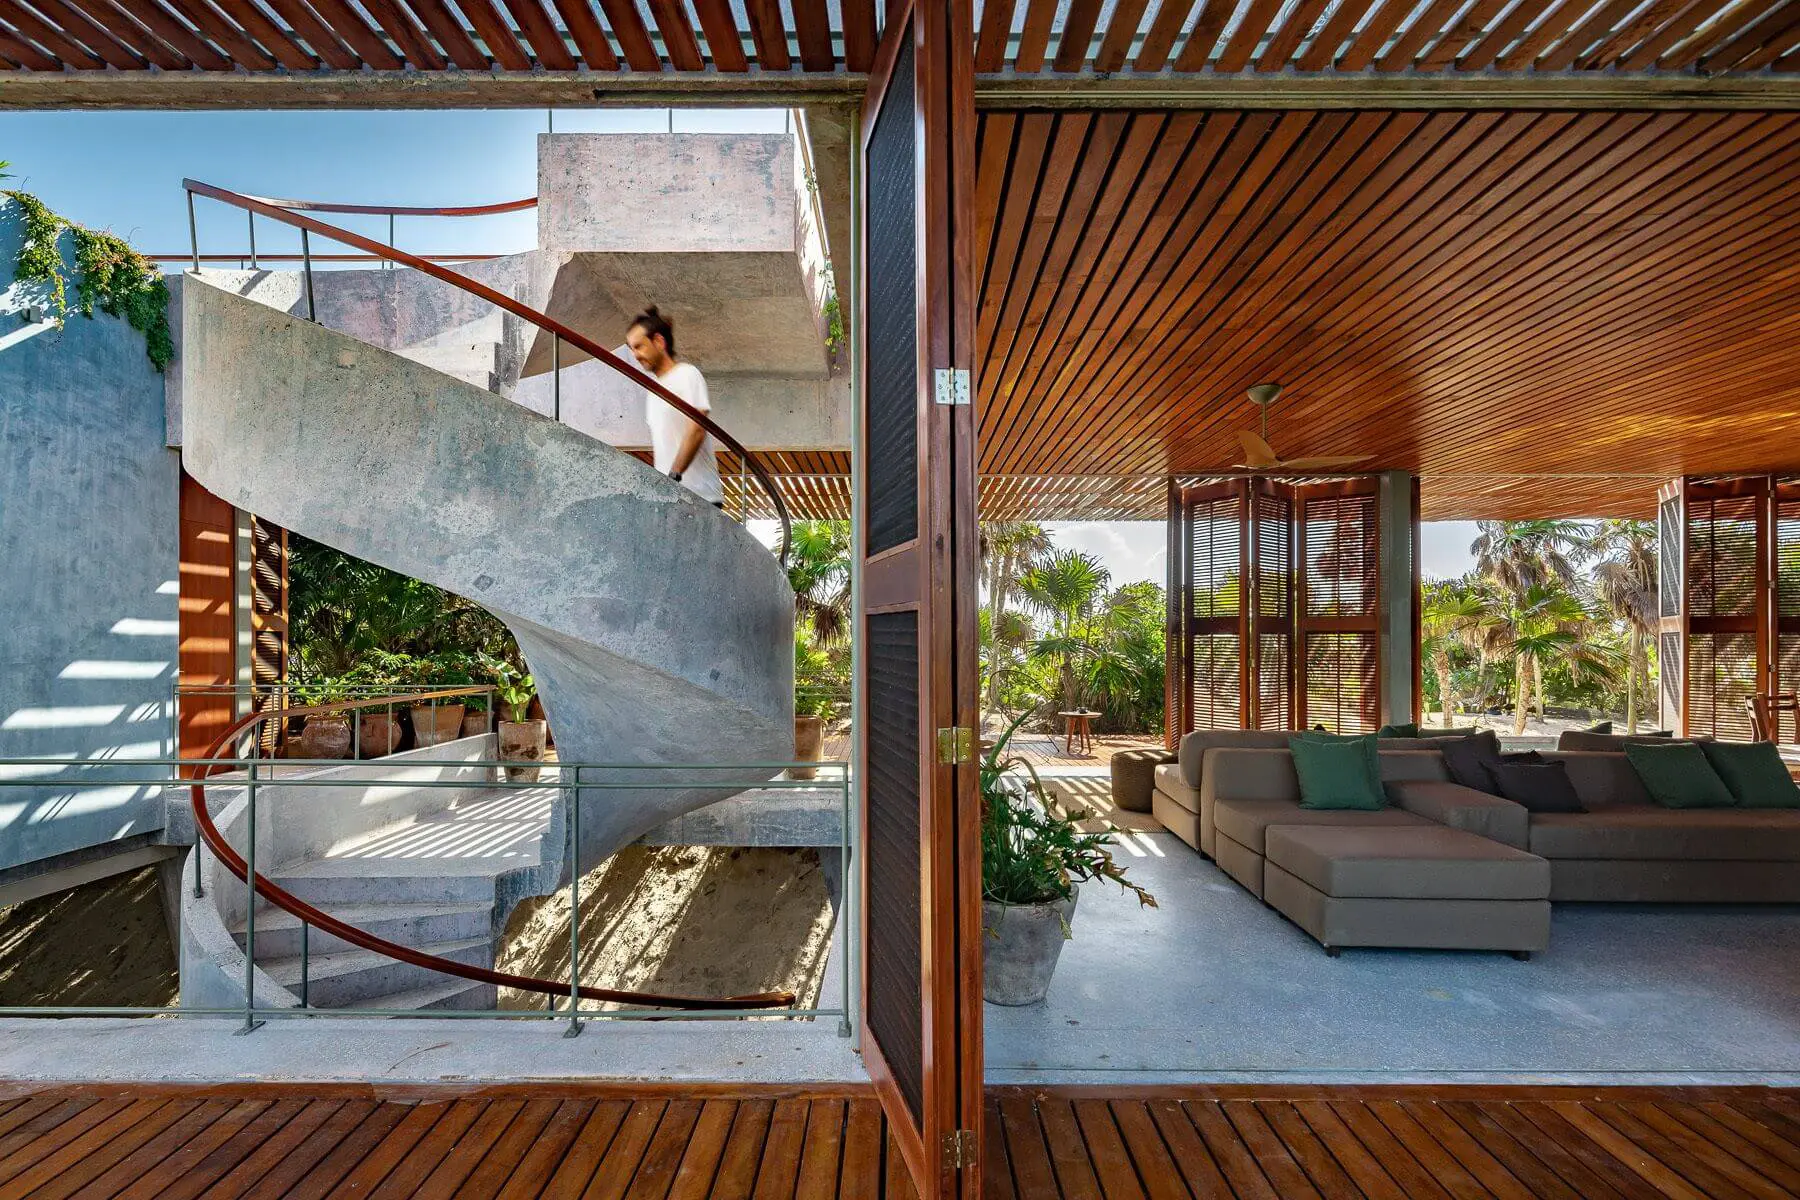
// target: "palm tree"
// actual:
[[1520, 555], [1452, 619], [1066, 588], [1008, 550], [819, 570], [1003, 647], [1544, 622], [1625, 586]]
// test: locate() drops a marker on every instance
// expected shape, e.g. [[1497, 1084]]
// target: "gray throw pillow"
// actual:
[[1468, 759]]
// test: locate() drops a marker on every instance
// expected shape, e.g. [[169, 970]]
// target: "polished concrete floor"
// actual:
[[1214, 986]]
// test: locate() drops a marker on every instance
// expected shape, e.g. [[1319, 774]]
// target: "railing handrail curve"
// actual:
[[397, 210], [288, 902], [274, 211]]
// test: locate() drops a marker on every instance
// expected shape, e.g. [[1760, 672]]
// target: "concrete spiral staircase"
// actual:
[[659, 631]]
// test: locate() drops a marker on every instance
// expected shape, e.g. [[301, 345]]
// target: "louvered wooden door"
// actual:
[[1216, 565], [1726, 603], [1337, 605], [916, 774]]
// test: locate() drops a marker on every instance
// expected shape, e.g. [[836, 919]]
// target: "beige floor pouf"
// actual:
[[1134, 777]]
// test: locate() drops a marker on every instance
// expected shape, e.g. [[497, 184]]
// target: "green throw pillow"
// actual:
[[1369, 742], [1337, 772], [1399, 731], [1678, 775], [1754, 772]]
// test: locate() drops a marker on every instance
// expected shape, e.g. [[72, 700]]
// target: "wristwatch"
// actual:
[[675, 475]]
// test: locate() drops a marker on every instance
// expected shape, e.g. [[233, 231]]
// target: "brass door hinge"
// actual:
[[959, 1149], [955, 744]]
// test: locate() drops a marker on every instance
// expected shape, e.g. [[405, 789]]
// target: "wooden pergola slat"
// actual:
[[1078, 28], [1426, 29], [1280, 50], [769, 34], [1165, 31], [1323, 50], [860, 38], [497, 35], [812, 29], [1757, 46], [29, 25], [991, 39], [1196, 52], [109, 47], [1034, 37], [590, 39], [318, 35], [448, 30], [405, 32], [1120, 33], [272, 37], [546, 40], [359, 34]]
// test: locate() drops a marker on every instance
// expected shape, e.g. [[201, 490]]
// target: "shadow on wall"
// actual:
[[88, 551]]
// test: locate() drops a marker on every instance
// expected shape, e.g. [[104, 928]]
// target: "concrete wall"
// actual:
[[88, 554]]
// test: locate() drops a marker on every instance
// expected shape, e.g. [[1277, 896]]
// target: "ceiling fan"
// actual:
[[1258, 456]]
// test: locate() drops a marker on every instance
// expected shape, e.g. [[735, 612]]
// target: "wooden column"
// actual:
[[207, 626]]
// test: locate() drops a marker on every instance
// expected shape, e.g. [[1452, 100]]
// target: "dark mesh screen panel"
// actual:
[[892, 274], [895, 1002]]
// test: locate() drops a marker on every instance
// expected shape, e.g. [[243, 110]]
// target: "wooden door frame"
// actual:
[[936, 575]]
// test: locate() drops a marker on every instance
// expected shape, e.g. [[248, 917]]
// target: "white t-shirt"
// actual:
[[669, 427]]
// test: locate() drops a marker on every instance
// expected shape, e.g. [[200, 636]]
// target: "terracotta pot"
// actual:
[[474, 724], [1020, 949], [809, 740], [435, 726], [523, 740], [325, 737], [380, 734]]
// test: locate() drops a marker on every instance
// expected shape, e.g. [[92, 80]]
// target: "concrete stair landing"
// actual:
[[439, 884]]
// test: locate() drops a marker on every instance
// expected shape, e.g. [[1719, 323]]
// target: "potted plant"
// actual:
[[325, 734], [435, 722], [812, 709], [520, 738], [1032, 858], [379, 730]]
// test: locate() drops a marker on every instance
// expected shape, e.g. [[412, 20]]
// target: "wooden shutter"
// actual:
[[1785, 571], [1215, 516], [1338, 564], [1725, 586], [1271, 608], [268, 622], [918, 561], [1671, 622]]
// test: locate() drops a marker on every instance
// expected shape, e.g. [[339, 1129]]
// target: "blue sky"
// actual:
[[123, 171]]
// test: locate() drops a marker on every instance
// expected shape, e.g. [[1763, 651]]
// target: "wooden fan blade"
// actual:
[[1324, 463], [1257, 454]]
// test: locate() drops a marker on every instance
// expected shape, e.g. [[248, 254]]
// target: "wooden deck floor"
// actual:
[[626, 1143]]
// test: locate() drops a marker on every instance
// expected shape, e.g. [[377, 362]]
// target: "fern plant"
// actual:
[[1032, 852]]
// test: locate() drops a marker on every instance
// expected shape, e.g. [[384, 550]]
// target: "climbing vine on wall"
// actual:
[[109, 275]]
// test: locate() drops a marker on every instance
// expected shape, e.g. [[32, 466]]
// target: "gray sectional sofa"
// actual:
[[1445, 865]]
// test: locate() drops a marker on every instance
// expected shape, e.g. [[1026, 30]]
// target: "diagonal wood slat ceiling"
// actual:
[[1542, 313], [1703, 38]]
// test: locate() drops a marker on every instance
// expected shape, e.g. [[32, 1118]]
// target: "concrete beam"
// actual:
[[1394, 521]]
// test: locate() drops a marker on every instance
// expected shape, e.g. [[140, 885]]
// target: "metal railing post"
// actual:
[[312, 310], [556, 376], [252, 219], [193, 232], [389, 265], [305, 956], [574, 1029], [250, 1021], [355, 715]]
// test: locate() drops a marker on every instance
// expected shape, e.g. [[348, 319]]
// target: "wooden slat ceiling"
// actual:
[[1542, 313], [1013, 37]]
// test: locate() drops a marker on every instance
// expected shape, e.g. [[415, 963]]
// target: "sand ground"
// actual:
[[694, 920], [105, 943]]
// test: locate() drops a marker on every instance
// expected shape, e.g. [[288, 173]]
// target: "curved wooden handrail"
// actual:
[[288, 902], [398, 210], [274, 211]]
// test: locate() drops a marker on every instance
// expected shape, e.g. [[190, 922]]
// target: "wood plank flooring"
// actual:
[[647, 1142], [1317, 1143]]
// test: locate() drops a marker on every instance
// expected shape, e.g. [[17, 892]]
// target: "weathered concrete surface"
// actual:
[[658, 630], [761, 412], [717, 230], [88, 550]]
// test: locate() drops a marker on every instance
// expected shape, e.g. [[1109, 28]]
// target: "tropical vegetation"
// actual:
[[1554, 613], [1056, 635]]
